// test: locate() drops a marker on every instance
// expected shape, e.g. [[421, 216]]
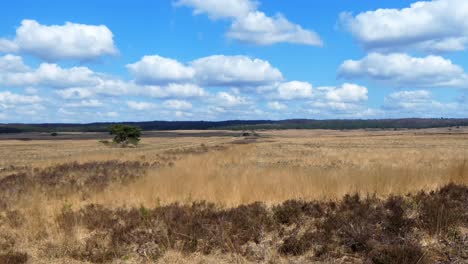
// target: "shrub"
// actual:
[[13, 258], [297, 246], [398, 254], [124, 134]]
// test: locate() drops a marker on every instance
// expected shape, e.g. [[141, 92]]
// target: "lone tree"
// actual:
[[125, 134]]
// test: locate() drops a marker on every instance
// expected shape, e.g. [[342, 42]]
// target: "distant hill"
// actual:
[[338, 124]]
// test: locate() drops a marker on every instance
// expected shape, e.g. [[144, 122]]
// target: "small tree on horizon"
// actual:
[[125, 134]]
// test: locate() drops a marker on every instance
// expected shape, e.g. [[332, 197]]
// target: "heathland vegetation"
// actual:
[[292, 196]]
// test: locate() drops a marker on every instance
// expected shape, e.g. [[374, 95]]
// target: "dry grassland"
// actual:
[[79, 201]]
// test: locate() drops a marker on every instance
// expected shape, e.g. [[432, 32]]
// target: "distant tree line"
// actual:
[[411, 123]]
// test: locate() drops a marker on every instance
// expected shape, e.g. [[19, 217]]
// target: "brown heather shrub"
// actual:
[[61, 180], [368, 228], [396, 222], [297, 246], [13, 258], [291, 211], [201, 227], [405, 253], [442, 210]]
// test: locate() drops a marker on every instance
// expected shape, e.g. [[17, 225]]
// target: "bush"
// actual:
[[124, 134], [13, 258], [398, 254]]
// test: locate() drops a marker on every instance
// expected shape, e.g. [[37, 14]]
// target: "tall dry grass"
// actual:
[[232, 177]]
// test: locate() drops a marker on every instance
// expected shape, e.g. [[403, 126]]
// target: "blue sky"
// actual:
[[87, 61]]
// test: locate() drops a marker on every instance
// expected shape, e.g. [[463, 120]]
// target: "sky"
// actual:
[[98, 61]]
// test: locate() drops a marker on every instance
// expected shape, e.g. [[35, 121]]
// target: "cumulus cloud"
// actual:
[[251, 25], [438, 25], [234, 71], [91, 103], [75, 93], [258, 28], [348, 92], [418, 103], [172, 90], [275, 105], [408, 99], [140, 105], [61, 42], [156, 69], [226, 99], [334, 107], [216, 9], [217, 70], [10, 100], [402, 70], [347, 100], [293, 90], [177, 104], [83, 83], [110, 115], [12, 63], [15, 73]]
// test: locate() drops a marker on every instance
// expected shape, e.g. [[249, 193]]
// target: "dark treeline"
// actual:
[[338, 124]]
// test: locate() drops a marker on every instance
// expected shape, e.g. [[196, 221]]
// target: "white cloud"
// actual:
[[8, 46], [348, 92], [64, 111], [140, 105], [61, 42], [438, 25], [403, 70], [156, 69], [217, 70], [9, 99], [418, 103], [83, 83], [226, 99], [75, 93], [172, 90], [13, 72], [220, 70], [253, 26], [220, 9], [109, 114], [293, 90], [33, 110], [177, 104], [347, 101], [12, 63], [182, 114], [91, 103], [334, 107], [276, 105], [258, 28]]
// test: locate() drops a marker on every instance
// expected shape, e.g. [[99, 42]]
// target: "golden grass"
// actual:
[[284, 165], [239, 176]]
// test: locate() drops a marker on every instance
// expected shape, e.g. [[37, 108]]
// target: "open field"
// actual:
[[290, 196]]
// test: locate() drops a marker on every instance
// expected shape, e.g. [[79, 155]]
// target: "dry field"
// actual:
[[297, 196]]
